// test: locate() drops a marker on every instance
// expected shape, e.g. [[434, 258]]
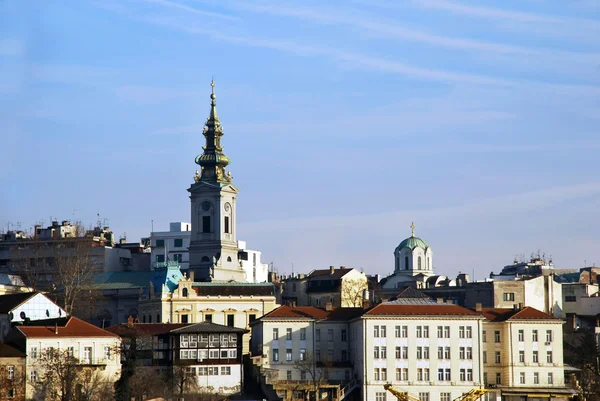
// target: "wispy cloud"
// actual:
[[192, 10], [11, 48]]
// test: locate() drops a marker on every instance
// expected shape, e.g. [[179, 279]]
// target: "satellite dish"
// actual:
[[23, 316]]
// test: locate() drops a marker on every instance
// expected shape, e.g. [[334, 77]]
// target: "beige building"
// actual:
[[230, 304], [12, 373], [95, 349], [522, 354], [341, 287]]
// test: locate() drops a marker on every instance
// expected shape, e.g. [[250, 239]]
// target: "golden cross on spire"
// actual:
[[412, 226], [212, 83]]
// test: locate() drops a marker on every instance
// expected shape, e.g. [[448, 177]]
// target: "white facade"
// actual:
[[171, 245], [222, 379], [426, 356], [37, 307], [254, 269]]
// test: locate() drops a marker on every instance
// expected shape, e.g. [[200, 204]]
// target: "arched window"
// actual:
[[406, 263], [149, 318], [184, 292], [397, 264], [419, 263], [205, 259], [229, 258], [143, 318], [158, 318]]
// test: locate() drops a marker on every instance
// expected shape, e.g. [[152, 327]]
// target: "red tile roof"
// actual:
[[526, 313], [310, 312], [149, 329], [74, 327], [420, 310]]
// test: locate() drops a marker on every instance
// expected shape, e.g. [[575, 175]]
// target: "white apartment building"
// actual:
[[522, 354], [432, 351], [171, 245], [95, 348]]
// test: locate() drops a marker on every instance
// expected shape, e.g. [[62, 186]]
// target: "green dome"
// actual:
[[412, 243]]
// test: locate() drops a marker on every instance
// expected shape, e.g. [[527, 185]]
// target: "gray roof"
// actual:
[[11, 279], [9, 302], [122, 280], [207, 327]]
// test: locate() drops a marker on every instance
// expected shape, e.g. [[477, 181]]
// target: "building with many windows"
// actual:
[[171, 245], [522, 354]]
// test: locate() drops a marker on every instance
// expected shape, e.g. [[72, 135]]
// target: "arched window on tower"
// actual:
[[184, 292], [406, 263], [205, 259], [419, 263], [428, 263]]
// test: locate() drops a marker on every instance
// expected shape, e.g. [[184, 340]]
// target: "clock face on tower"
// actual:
[[205, 205]]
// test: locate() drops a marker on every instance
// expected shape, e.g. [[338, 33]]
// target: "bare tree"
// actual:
[[146, 383], [352, 293], [12, 382], [183, 380], [316, 373]]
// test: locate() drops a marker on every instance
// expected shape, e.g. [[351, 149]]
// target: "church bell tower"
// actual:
[[213, 245]]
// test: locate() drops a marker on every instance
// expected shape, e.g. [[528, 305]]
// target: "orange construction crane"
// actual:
[[400, 395], [472, 395]]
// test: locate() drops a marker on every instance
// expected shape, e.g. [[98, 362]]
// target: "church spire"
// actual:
[[213, 161]]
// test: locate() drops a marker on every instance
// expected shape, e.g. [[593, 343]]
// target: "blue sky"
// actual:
[[345, 121]]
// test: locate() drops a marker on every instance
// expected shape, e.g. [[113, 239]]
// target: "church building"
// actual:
[[213, 250]]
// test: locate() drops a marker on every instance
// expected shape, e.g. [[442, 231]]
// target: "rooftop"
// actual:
[[233, 289], [149, 329], [421, 310], [526, 313], [330, 273], [73, 327], [312, 312], [6, 351], [10, 302], [207, 327]]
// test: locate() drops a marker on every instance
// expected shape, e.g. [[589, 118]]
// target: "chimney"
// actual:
[[520, 306], [478, 307], [440, 300], [366, 302], [515, 306], [331, 270], [55, 327], [328, 306]]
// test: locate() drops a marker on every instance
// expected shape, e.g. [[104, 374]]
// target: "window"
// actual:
[[497, 336], [71, 352], [213, 371], [406, 263], [214, 354], [484, 356], [376, 375], [522, 378], [497, 359], [404, 374], [441, 374], [485, 380], [461, 332], [398, 353], [383, 331], [347, 375], [303, 375], [461, 353], [344, 334], [160, 258], [550, 378], [184, 354], [469, 352], [33, 352], [225, 370], [447, 353], [380, 396], [303, 333], [178, 242], [521, 335], [426, 374], [469, 375], [446, 333], [288, 334], [548, 336], [275, 355], [208, 317], [484, 336], [509, 296], [440, 331], [106, 352], [424, 396], [534, 335], [383, 352], [425, 331], [383, 374], [318, 355], [469, 332], [329, 334], [522, 356], [288, 355], [344, 355], [397, 331], [288, 375], [33, 376], [536, 378], [536, 358], [184, 319], [251, 317], [463, 375], [87, 354], [375, 331], [419, 332], [447, 375], [160, 242], [549, 356], [318, 335], [404, 352], [398, 374], [275, 334], [10, 372], [570, 298], [419, 374], [224, 354], [498, 378], [227, 224], [205, 224], [178, 257], [445, 397], [303, 354], [425, 352], [419, 352], [376, 352]]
